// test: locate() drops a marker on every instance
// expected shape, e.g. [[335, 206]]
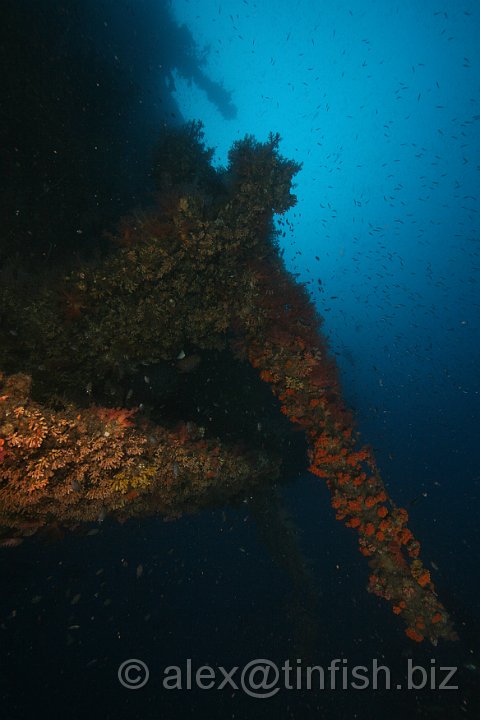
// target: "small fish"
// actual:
[[418, 498]]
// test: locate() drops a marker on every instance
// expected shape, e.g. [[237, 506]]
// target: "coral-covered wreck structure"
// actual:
[[199, 273]]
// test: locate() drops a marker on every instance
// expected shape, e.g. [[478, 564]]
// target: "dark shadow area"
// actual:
[[86, 87]]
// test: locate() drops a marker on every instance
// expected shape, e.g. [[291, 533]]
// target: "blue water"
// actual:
[[380, 101]]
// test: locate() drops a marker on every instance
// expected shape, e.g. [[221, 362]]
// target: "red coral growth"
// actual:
[[286, 347], [79, 464], [118, 416], [414, 635]]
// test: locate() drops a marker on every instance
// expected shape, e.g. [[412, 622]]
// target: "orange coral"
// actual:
[[414, 635], [76, 461], [424, 578], [119, 416], [77, 465], [354, 522], [358, 493]]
